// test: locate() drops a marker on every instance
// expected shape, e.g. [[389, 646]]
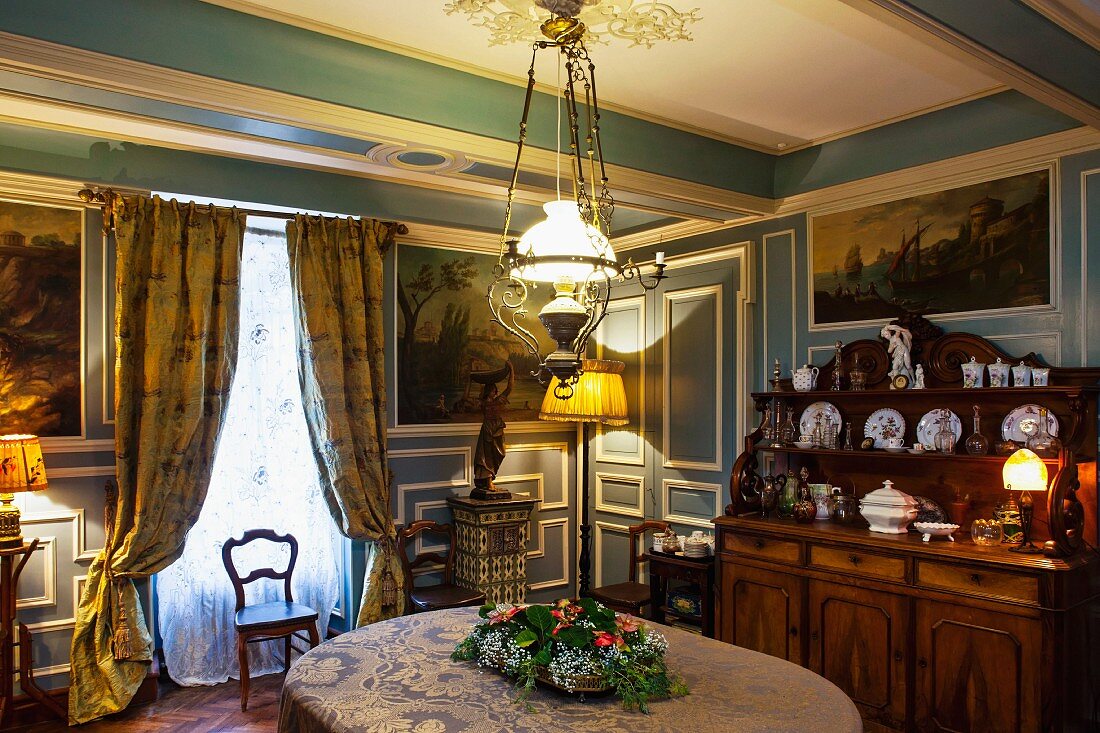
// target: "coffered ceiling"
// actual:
[[772, 73]]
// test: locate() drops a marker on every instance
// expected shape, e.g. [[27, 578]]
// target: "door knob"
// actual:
[[794, 631], [922, 663]]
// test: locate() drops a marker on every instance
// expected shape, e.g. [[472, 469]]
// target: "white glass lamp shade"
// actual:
[[562, 235], [1024, 471]]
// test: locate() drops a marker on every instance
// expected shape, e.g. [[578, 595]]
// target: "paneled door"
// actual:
[[858, 642], [976, 670], [683, 372], [762, 610]]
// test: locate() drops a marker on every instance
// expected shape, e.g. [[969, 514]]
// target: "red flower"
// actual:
[[603, 638]]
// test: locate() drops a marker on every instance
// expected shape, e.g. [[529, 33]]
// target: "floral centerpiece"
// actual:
[[579, 646]]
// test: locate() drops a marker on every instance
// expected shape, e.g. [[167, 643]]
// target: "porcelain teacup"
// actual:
[[894, 443]]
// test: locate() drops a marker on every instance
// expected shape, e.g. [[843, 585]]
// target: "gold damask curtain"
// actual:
[[336, 276], [176, 324]]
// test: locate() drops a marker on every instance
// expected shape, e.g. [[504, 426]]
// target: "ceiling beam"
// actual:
[[1028, 51]]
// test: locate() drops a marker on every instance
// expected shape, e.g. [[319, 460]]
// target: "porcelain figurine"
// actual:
[[899, 342], [918, 377]]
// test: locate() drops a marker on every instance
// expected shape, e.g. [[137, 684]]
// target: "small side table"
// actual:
[[663, 567], [491, 555], [12, 561]]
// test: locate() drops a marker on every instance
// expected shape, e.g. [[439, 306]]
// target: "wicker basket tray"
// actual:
[[582, 683]]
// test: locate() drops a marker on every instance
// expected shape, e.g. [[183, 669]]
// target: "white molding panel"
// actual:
[[637, 458], [465, 452], [597, 547], [81, 553], [49, 577], [562, 447], [563, 522], [714, 291], [637, 510], [667, 485]]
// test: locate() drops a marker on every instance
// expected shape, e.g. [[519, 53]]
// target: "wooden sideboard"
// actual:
[[937, 636]]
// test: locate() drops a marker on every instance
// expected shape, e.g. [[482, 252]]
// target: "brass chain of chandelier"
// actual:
[[581, 277]]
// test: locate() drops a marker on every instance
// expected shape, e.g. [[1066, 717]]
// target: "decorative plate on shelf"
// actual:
[[1023, 422], [828, 412], [884, 423], [929, 425]]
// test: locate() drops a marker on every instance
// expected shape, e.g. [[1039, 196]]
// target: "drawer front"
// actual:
[[978, 581], [772, 549], [858, 562]]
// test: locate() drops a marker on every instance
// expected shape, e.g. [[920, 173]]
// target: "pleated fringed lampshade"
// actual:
[[599, 396]]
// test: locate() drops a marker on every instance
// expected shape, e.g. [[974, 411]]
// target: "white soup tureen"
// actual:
[[888, 510]]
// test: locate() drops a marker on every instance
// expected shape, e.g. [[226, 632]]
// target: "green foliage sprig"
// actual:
[[572, 639]]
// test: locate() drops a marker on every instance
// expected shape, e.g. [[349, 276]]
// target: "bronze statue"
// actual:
[[489, 453]]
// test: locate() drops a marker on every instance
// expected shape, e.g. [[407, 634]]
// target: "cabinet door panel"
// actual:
[[976, 670], [857, 642], [762, 611]]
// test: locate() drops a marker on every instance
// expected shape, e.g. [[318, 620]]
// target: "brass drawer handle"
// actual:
[[855, 559], [759, 544], [976, 579]]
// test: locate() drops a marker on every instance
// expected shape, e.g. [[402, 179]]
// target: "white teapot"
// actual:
[[804, 379]]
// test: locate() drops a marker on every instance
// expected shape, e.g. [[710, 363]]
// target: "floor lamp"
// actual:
[[598, 397]]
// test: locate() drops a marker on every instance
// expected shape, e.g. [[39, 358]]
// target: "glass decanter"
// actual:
[[766, 425], [789, 496], [977, 444], [787, 434], [945, 436], [1042, 443]]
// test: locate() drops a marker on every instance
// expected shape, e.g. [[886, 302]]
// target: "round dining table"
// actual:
[[397, 676]]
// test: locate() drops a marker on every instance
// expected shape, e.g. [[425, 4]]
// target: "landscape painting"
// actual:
[[40, 279], [446, 346], [974, 248]]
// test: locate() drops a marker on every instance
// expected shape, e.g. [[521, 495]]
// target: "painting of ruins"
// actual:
[[981, 247]]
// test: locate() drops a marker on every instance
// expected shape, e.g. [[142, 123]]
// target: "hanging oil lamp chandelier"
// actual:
[[571, 247]]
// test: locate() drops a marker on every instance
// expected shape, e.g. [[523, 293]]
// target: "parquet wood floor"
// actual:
[[215, 709]]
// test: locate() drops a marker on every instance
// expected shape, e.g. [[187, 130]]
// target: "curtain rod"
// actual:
[[104, 196]]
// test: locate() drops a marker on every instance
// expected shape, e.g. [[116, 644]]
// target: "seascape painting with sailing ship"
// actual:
[[973, 248]]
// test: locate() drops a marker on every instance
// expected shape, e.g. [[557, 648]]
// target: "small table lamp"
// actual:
[[1025, 471], [599, 396], [21, 469]]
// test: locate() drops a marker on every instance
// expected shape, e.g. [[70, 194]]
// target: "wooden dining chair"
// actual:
[[631, 596], [272, 620], [441, 595]]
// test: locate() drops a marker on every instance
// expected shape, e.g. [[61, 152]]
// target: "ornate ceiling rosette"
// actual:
[[517, 21]]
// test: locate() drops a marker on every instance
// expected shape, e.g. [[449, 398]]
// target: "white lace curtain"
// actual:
[[264, 476]]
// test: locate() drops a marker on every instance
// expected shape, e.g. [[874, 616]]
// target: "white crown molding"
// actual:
[[464, 240], [1066, 16], [100, 71], [902, 16], [953, 172], [995, 89]]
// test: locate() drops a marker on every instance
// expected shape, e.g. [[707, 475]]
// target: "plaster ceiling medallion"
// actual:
[[642, 23]]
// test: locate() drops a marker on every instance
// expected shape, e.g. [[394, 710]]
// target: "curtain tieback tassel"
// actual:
[[389, 583], [121, 646]]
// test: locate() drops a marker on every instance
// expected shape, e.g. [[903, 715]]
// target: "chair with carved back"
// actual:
[[630, 596], [442, 595], [272, 620]]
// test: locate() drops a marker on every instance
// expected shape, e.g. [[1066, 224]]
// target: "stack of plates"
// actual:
[[696, 548]]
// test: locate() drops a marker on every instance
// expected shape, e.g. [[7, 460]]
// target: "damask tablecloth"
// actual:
[[397, 677]]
